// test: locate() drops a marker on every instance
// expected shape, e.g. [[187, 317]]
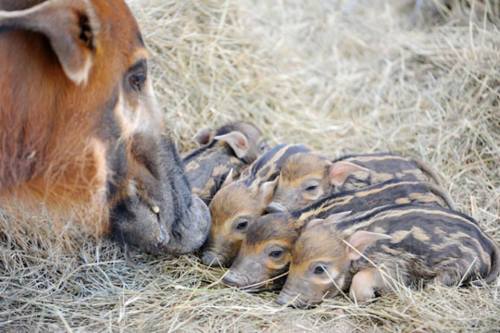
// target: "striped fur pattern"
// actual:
[[266, 250], [81, 132], [370, 254], [208, 166], [384, 166], [308, 177], [239, 203]]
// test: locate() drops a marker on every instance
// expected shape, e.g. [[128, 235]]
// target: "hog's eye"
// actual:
[[155, 209], [137, 76], [242, 225], [137, 81], [276, 254]]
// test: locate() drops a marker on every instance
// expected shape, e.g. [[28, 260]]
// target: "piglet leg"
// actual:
[[364, 283]]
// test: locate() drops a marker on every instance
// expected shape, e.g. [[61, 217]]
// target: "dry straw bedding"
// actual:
[[340, 77]]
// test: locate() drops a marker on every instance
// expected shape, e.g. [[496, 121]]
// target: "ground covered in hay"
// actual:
[[340, 76]]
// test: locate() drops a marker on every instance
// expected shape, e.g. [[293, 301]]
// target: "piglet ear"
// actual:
[[339, 172], [266, 191], [229, 178], [71, 28], [332, 219], [237, 141], [360, 241], [204, 136], [337, 217], [313, 223]]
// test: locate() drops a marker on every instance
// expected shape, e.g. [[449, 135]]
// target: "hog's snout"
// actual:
[[275, 207], [161, 242], [191, 231]]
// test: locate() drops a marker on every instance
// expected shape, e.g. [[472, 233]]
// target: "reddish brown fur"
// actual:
[[303, 165], [304, 178], [51, 145], [236, 202], [412, 244], [308, 177]]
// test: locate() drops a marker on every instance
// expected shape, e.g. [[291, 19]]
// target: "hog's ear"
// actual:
[[229, 178], [71, 28], [339, 172], [360, 240], [204, 136], [237, 141], [266, 191]]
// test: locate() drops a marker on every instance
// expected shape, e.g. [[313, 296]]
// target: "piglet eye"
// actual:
[[242, 225], [311, 188], [276, 254], [318, 270]]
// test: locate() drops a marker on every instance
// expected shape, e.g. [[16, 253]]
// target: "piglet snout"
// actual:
[[209, 258], [233, 279]]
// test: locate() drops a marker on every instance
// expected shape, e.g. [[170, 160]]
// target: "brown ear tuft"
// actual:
[[70, 26], [86, 33]]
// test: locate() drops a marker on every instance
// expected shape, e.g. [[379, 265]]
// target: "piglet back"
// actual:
[[435, 234], [268, 166]]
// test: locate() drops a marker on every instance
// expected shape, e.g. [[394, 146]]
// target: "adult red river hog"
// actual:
[[79, 126]]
